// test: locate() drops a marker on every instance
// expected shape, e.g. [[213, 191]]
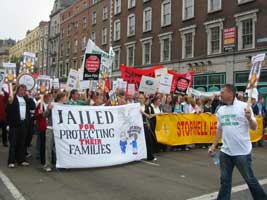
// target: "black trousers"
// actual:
[[4, 132], [30, 130], [149, 142], [17, 139]]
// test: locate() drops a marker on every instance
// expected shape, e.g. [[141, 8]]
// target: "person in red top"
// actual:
[[3, 124]]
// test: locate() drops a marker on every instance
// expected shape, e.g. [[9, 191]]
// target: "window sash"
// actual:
[[166, 49], [247, 33], [188, 44], [215, 40]]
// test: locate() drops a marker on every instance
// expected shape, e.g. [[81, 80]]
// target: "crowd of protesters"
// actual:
[[26, 114]]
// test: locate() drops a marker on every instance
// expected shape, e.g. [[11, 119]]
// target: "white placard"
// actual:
[[55, 83], [131, 89], [111, 135], [84, 85], [165, 83], [72, 80], [160, 72], [106, 59], [2, 77], [9, 65], [27, 80], [148, 85]]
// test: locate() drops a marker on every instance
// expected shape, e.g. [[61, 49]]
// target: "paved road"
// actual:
[[176, 175]]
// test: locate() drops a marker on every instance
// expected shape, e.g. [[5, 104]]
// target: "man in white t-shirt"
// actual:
[[234, 121], [17, 118]]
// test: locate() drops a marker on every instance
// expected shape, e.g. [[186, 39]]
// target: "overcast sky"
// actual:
[[18, 16]]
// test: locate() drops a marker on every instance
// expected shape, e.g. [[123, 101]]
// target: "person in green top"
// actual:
[[74, 98]]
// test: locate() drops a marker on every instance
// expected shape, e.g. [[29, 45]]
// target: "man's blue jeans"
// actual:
[[243, 164]]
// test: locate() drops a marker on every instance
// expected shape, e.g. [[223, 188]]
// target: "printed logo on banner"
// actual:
[[182, 85], [92, 66]]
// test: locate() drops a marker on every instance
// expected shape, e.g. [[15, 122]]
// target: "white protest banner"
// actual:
[[28, 62], [198, 93], [55, 83], [165, 83], [98, 136], [148, 85], [72, 80], [106, 60], [131, 89], [84, 85]]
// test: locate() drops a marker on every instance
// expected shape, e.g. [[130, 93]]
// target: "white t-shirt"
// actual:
[[156, 109], [235, 128], [22, 107]]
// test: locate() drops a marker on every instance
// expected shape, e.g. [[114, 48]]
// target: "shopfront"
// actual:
[[209, 82]]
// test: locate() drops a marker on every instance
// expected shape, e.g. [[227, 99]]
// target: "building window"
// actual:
[[244, 1], [246, 29], [94, 18], [117, 30], [84, 22], [76, 26], [188, 9], [247, 33], [69, 29], [131, 4], [94, 1], [146, 50], [214, 36], [214, 5], [84, 43], [166, 13], [130, 53], [104, 35], [93, 37], [75, 46], [117, 7], [68, 49], [105, 13], [131, 25], [165, 46], [147, 19], [117, 58], [188, 44]]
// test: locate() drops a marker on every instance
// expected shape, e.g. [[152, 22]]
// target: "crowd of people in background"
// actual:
[[26, 115]]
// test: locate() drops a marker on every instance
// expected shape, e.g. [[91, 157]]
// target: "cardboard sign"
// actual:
[[84, 85], [91, 66], [55, 83], [27, 80], [43, 84], [182, 86], [72, 80], [148, 85], [165, 84], [131, 89], [2, 77], [10, 72], [161, 72]]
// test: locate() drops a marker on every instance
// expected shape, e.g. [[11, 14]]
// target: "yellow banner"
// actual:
[[179, 129]]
